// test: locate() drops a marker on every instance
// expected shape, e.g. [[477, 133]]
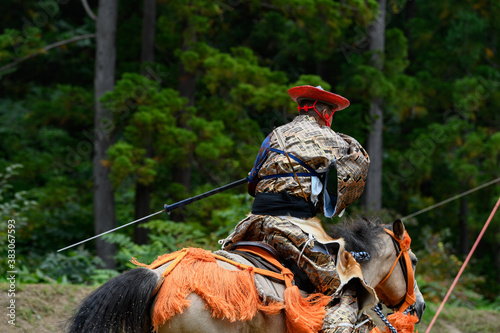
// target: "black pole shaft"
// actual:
[[169, 208]]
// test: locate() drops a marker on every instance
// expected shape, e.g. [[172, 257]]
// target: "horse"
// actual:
[[127, 302]]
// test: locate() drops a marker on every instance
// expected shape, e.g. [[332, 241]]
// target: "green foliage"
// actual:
[[437, 268], [168, 236], [76, 267], [15, 44], [453, 318], [127, 160], [439, 87], [13, 204]]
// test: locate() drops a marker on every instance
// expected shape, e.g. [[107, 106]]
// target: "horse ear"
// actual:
[[399, 229]]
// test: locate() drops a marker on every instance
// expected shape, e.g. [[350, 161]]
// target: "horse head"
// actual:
[[391, 269]]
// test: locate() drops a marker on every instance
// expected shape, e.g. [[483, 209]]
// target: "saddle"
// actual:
[[264, 256], [247, 250], [233, 290]]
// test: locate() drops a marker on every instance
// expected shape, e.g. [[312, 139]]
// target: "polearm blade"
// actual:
[[110, 231], [167, 209]]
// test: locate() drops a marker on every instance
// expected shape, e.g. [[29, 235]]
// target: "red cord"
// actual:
[[463, 265], [326, 120]]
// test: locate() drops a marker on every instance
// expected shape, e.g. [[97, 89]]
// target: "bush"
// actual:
[[77, 267], [437, 269], [168, 236]]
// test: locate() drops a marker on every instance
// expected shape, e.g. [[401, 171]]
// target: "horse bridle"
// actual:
[[403, 257], [402, 247]]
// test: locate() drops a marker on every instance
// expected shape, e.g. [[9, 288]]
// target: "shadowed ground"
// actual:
[[44, 308]]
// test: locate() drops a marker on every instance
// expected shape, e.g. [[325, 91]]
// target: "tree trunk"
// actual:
[[104, 206], [187, 88], [142, 205], [143, 192], [148, 31], [182, 170], [372, 198], [141, 209]]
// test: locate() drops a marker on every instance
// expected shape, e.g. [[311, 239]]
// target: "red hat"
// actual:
[[317, 93]]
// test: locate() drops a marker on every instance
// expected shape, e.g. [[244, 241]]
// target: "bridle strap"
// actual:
[[404, 246], [393, 266]]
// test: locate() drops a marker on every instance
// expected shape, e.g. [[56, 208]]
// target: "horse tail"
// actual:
[[120, 305]]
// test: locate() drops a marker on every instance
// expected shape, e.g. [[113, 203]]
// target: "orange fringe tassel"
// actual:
[[401, 322], [304, 314], [228, 294]]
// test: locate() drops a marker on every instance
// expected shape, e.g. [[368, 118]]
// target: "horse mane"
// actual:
[[360, 234]]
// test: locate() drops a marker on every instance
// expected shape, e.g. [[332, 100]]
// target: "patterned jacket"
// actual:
[[312, 148]]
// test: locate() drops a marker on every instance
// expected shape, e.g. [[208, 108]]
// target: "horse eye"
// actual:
[[414, 261]]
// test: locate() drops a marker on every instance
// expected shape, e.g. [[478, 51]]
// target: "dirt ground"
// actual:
[[44, 308], [41, 308]]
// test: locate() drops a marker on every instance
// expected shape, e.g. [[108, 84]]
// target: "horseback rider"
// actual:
[[289, 183]]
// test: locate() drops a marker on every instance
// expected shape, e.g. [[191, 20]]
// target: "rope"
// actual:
[[451, 199], [464, 264], [378, 311]]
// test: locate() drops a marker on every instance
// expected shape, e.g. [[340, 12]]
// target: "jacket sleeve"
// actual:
[[352, 170]]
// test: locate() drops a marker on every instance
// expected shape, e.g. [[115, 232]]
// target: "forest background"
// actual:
[[110, 110]]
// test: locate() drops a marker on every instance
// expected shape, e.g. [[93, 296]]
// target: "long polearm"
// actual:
[[167, 209]]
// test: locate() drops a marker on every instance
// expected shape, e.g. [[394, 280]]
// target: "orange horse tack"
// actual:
[[404, 245], [401, 322], [229, 294]]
